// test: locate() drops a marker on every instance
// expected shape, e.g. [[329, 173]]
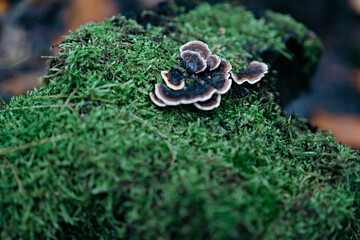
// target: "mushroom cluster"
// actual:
[[205, 79]]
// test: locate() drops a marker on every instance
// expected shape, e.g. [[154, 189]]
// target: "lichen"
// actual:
[[90, 156]]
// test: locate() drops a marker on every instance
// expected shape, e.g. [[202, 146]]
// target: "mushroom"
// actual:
[[252, 74], [194, 63], [201, 90], [210, 104], [220, 78], [197, 46], [174, 78], [209, 77], [193, 93], [156, 100], [213, 62]]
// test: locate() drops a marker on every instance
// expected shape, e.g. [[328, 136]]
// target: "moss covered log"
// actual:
[[89, 156]]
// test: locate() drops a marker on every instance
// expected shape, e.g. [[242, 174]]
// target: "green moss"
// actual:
[[289, 28], [286, 25], [90, 156], [244, 35]]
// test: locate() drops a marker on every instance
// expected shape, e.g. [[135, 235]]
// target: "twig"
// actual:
[[28, 58], [73, 110], [68, 105], [102, 100], [32, 144], [75, 97], [69, 98], [50, 96], [162, 136], [7, 228], [36, 106], [13, 169]]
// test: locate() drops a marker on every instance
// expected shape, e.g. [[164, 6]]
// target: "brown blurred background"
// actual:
[[28, 29]]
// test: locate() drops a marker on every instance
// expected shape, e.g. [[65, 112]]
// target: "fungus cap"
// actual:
[[174, 78], [156, 100], [197, 46], [220, 78], [223, 86], [194, 93], [225, 66], [193, 61], [213, 62], [254, 73], [210, 104]]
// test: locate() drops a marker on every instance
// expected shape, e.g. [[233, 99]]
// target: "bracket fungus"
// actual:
[[174, 78], [197, 46], [156, 100], [205, 78], [213, 62], [194, 62], [252, 74], [210, 104]]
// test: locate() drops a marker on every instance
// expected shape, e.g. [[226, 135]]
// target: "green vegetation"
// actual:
[[89, 156]]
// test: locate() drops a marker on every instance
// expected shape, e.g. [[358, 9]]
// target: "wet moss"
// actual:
[[90, 156]]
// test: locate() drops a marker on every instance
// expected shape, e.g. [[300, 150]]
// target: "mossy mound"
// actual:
[[89, 156]]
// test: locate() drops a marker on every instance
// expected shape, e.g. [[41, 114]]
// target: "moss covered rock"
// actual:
[[90, 156]]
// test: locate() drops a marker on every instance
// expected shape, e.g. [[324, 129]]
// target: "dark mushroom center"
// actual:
[[251, 72], [176, 76]]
